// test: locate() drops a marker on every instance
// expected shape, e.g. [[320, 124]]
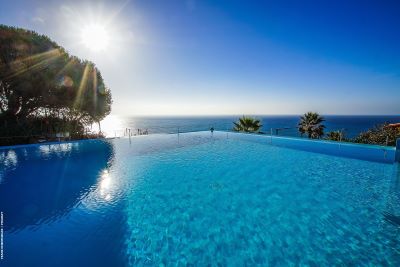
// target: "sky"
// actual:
[[214, 57]]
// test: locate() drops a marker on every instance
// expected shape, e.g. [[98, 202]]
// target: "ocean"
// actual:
[[285, 125]]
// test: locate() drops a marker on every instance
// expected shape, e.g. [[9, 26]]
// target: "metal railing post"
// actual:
[[271, 135], [340, 139]]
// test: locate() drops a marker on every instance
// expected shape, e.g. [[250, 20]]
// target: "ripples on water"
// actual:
[[195, 199]]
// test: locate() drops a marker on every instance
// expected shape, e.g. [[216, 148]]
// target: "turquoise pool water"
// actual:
[[196, 199]]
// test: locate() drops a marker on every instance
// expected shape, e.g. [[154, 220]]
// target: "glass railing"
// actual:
[[288, 137]]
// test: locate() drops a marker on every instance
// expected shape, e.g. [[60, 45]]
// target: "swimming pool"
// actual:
[[197, 199]]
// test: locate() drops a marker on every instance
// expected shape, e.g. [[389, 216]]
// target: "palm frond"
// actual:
[[247, 124], [310, 123]]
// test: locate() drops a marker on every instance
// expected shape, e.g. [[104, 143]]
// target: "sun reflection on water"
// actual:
[[9, 158], [105, 185]]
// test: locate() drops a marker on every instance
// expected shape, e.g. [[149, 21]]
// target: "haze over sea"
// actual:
[[351, 125]]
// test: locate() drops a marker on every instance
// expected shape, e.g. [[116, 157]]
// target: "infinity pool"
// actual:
[[195, 199]]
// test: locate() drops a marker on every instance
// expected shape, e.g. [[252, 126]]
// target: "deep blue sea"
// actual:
[[350, 125]]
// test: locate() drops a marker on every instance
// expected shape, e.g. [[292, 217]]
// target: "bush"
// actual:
[[379, 135], [335, 136]]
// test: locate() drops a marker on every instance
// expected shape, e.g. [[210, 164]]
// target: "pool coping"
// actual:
[[229, 132], [56, 143]]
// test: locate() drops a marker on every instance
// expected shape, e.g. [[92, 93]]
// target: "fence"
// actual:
[[284, 131]]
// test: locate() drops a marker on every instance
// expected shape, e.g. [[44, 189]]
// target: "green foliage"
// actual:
[[335, 136], [247, 124], [41, 82], [311, 124], [379, 135]]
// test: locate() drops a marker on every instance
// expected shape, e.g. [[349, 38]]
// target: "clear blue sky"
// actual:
[[233, 57]]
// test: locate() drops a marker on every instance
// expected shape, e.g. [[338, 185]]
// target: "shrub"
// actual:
[[379, 135]]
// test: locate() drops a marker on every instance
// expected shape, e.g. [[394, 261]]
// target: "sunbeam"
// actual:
[[21, 66], [82, 86]]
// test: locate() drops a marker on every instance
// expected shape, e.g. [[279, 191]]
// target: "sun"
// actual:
[[95, 37]]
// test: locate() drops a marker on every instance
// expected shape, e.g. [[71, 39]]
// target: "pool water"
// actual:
[[195, 199]]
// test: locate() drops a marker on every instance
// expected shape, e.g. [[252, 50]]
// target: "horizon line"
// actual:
[[235, 115]]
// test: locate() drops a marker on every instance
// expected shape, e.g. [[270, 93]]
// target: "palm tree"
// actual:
[[311, 124], [247, 124]]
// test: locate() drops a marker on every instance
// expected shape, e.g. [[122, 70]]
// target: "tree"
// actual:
[[247, 124], [41, 83], [311, 124], [335, 136], [379, 135]]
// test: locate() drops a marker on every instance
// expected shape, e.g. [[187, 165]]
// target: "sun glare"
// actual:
[[95, 37]]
